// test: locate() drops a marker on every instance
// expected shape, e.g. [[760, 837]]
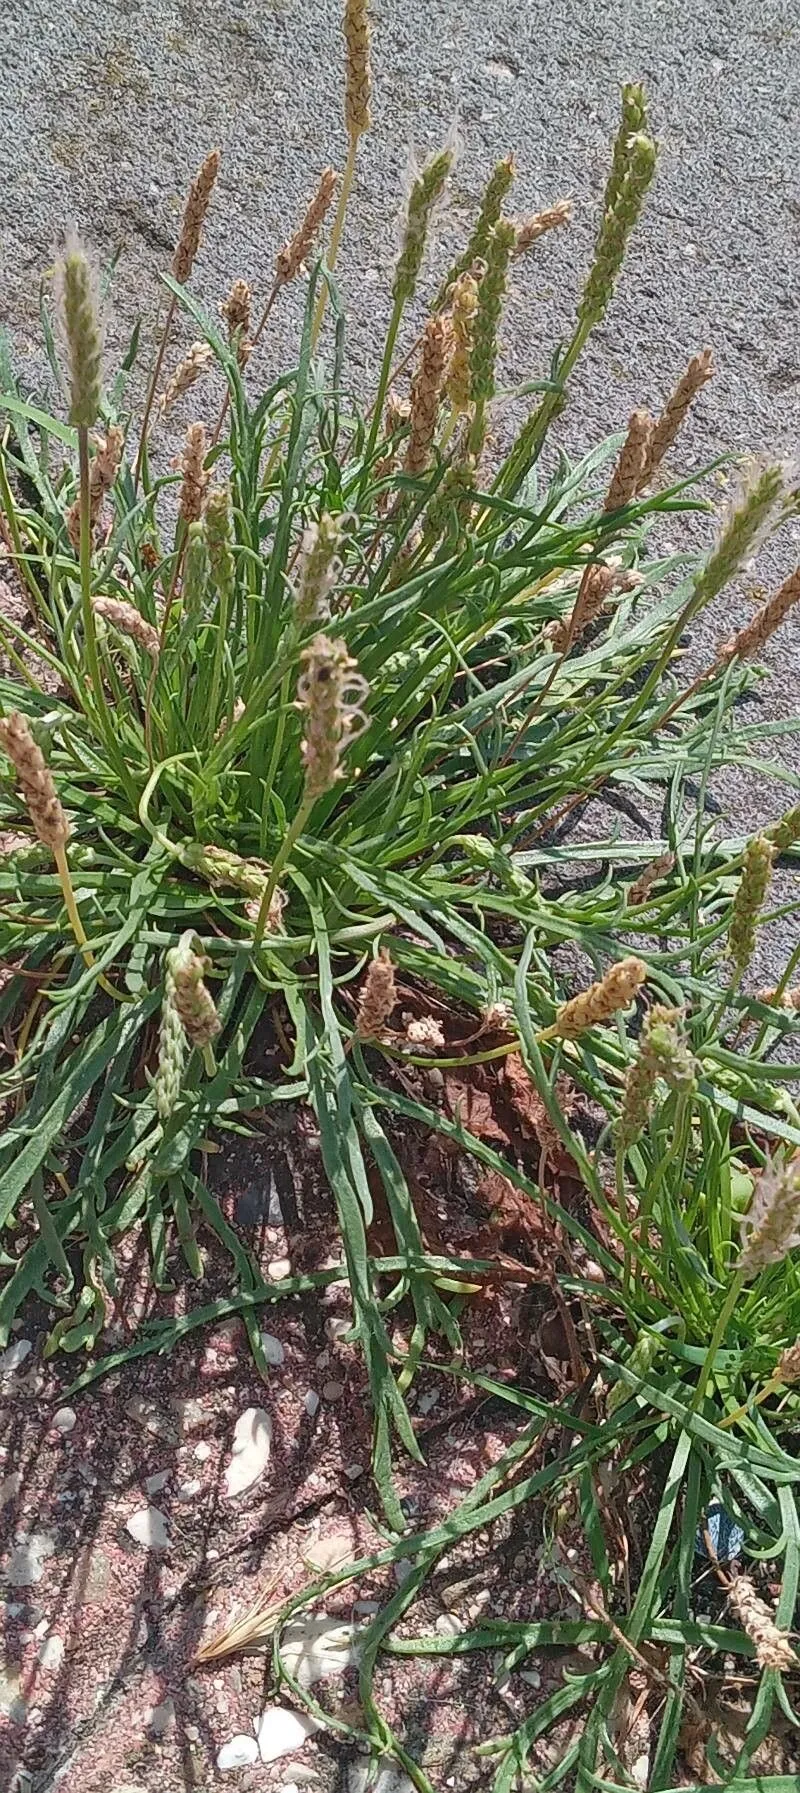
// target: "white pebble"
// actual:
[[280, 1731], [65, 1419], [51, 1653], [202, 1451], [148, 1526], [353, 1471], [153, 1484], [273, 1349], [237, 1753], [250, 1451], [26, 1562], [278, 1269], [16, 1354], [311, 1402]]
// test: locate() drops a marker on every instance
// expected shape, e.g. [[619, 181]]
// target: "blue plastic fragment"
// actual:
[[727, 1538]]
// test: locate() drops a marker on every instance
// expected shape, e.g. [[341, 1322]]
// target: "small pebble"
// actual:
[[336, 1327], [279, 1269], [237, 1753], [311, 1402], [332, 1391], [402, 1569], [51, 1653], [153, 1484], [273, 1349], [65, 1419], [162, 1718], [188, 1490], [148, 1526], [16, 1354], [353, 1471], [202, 1451]]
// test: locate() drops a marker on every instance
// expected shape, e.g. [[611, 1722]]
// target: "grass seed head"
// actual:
[[195, 477], [318, 572], [426, 190], [617, 223], [185, 376], [750, 640], [195, 569], [129, 621], [103, 471], [788, 1364], [377, 999], [491, 294], [786, 832], [491, 206], [171, 1049], [749, 900], [663, 1052], [463, 307], [745, 524], [79, 318], [633, 119], [627, 476], [193, 1000], [773, 1649], [330, 690], [615, 991], [35, 781], [670, 421], [652, 874], [218, 539], [529, 230], [236, 309], [291, 258], [426, 392], [358, 71], [194, 216], [771, 1227]]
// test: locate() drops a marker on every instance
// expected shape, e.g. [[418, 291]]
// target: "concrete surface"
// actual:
[[108, 106]]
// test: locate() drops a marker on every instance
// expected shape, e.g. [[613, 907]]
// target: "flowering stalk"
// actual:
[[425, 192], [194, 216], [223, 575], [483, 356], [378, 998], [80, 325], [749, 901], [192, 998], [495, 192], [670, 421], [358, 93], [599, 1002], [45, 810]]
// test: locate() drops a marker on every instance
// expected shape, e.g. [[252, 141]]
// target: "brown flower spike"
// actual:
[[35, 780], [293, 254], [194, 216], [377, 999], [602, 1000]]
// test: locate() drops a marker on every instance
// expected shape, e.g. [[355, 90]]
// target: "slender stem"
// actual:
[[295, 829], [87, 612], [728, 1305], [277, 748], [151, 390], [741, 1412], [65, 880], [383, 382], [336, 237]]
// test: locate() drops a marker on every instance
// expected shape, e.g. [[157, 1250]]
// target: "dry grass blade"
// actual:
[[249, 1631]]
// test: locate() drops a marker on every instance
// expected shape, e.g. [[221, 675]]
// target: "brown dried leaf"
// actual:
[[472, 1105], [531, 1111]]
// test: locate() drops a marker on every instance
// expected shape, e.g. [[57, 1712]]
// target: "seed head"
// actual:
[[633, 120], [318, 572], [330, 690], [786, 832], [750, 640], [35, 780], [596, 586], [194, 216], [129, 621], [491, 294], [195, 478], [426, 391], [236, 309], [529, 230], [494, 193], [377, 999], [667, 426], [748, 518], [218, 538], [171, 1049], [79, 318], [652, 874], [630, 467], [186, 374], [773, 1649], [426, 190], [749, 900], [193, 1000], [618, 221], [602, 1000], [463, 307], [663, 1052], [771, 1227], [787, 1367], [450, 508], [358, 73], [102, 474], [293, 254]]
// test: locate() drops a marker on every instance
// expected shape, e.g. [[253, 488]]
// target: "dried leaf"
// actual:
[[472, 1105]]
